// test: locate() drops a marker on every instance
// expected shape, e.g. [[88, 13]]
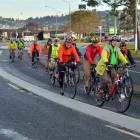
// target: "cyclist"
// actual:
[[34, 49], [20, 46], [46, 48], [110, 55], [12, 47], [126, 52], [53, 50], [66, 50], [53, 53], [90, 58]]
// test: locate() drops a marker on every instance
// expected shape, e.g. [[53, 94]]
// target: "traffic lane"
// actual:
[[40, 77], [33, 118]]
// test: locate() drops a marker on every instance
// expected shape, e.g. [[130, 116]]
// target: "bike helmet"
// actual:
[[69, 40], [123, 43], [94, 39], [114, 38]]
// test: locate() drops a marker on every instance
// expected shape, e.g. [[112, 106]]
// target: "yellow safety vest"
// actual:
[[54, 51]]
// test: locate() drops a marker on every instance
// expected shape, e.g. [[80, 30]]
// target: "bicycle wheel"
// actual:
[[99, 98], [72, 85], [77, 74], [52, 77], [13, 57], [129, 84], [122, 101]]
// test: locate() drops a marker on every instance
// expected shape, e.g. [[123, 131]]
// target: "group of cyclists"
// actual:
[[63, 53], [12, 46]]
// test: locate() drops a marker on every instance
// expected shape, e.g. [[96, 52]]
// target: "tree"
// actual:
[[85, 21], [92, 3]]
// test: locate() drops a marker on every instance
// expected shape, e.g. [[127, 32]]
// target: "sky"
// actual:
[[23, 9]]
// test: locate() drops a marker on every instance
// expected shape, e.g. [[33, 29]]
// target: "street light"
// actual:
[[67, 1], [100, 28], [56, 21]]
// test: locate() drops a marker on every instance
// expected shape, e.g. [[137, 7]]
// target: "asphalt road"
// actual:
[[28, 116], [24, 116]]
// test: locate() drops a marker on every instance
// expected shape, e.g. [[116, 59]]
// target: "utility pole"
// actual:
[[136, 27]]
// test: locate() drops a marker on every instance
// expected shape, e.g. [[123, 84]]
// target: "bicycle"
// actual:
[[93, 79], [70, 78], [52, 71], [20, 54], [121, 92], [12, 55], [36, 60]]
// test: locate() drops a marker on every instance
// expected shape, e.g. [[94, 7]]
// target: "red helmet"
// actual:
[[69, 40]]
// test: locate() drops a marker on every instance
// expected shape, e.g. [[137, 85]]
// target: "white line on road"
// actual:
[[137, 61], [1, 52], [4, 47], [12, 134], [123, 131], [106, 115], [4, 60], [15, 87], [135, 71]]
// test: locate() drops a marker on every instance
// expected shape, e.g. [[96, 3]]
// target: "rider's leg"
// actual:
[[10, 51], [61, 69], [33, 55], [130, 58], [37, 55], [113, 77], [87, 73]]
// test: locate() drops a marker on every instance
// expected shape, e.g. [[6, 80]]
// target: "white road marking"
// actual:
[[106, 115], [135, 71], [123, 131], [1, 52], [4, 47], [137, 61], [13, 86], [12, 134], [4, 60]]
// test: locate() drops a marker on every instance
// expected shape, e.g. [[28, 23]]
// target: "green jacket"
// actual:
[[105, 57]]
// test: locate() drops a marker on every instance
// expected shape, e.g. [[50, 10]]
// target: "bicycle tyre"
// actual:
[[52, 79], [129, 83], [13, 57], [73, 93], [99, 99], [77, 73], [122, 102]]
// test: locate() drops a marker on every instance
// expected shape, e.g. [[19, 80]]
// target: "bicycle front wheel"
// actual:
[[122, 100], [99, 97], [72, 85]]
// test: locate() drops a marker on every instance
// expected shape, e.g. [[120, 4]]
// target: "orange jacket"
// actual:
[[31, 48], [46, 48], [65, 54]]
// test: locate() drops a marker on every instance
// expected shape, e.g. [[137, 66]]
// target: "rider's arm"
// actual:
[[99, 49], [105, 55], [88, 55], [79, 53], [74, 52], [122, 58], [45, 49], [60, 54], [49, 52]]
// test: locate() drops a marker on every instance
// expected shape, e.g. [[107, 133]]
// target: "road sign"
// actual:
[[82, 6]]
